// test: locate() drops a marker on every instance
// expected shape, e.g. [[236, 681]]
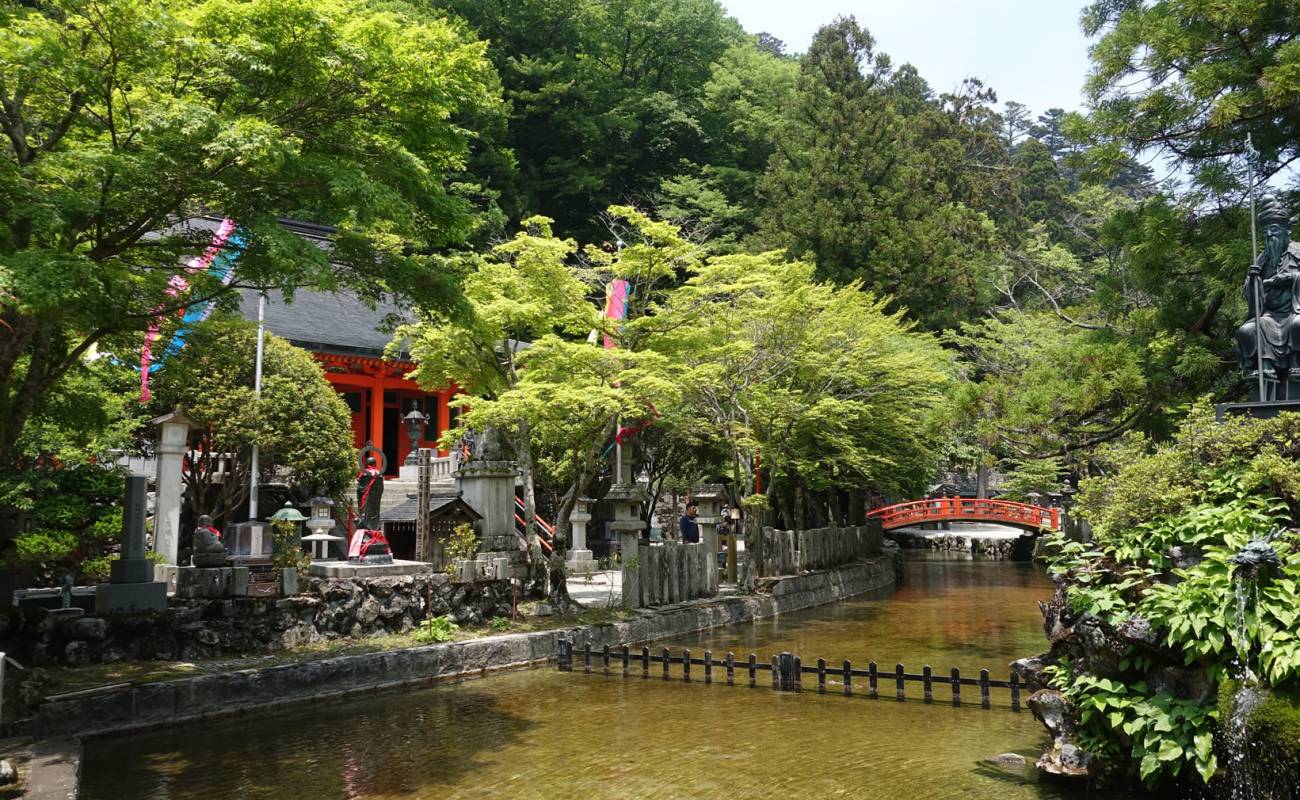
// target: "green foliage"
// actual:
[[120, 117], [300, 424], [462, 544], [286, 547], [76, 517], [500, 624], [435, 630], [1208, 493]]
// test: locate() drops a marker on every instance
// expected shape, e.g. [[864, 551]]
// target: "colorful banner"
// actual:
[[214, 261], [615, 306]]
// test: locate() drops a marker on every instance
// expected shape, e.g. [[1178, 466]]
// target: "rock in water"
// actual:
[[8, 774], [1010, 763]]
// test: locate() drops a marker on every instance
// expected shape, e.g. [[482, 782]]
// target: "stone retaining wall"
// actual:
[[1019, 548], [189, 629], [150, 705]]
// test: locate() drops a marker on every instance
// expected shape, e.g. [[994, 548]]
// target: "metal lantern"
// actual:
[[415, 422]]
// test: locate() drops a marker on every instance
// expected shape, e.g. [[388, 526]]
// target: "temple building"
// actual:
[[348, 338]]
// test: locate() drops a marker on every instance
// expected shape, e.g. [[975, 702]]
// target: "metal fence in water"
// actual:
[[786, 672]]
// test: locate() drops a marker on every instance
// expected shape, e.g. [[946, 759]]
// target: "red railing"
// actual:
[[546, 532], [956, 509]]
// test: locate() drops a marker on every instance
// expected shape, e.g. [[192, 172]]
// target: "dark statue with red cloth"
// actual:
[[207, 549], [369, 545]]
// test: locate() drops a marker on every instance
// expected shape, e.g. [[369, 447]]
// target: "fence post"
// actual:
[[848, 678], [984, 688], [956, 686], [626, 659], [925, 674], [776, 672], [686, 666], [871, 680], [798, 674], [898, 681], [559, 653], [645, 662], [821, 676], [1015, 692], [605, 658], [586, 655], [731, 668], [667, 661], [753, 670], [708, 667]]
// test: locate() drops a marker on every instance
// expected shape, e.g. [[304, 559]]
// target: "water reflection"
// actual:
[[542, 734]]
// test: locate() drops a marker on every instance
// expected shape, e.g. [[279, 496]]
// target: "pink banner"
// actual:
[[615, 306]]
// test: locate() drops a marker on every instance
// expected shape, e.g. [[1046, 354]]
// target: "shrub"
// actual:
[[435, 629], [462, 544], [500, 624]]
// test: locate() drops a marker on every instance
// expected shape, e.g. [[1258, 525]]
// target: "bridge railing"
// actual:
[[947, 509], [786, 672]]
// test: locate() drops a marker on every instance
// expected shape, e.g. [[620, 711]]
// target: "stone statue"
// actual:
[[1275, 329], [208, 551], [370, 492]]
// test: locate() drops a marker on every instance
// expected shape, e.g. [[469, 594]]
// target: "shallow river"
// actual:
[[544, 734]]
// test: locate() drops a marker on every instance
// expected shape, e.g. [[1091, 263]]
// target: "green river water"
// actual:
[[540, 733]]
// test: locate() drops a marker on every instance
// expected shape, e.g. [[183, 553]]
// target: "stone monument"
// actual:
[[710, 498], [1268, 343], [171, 444], [130, 587], [487, 484], [580, 560]]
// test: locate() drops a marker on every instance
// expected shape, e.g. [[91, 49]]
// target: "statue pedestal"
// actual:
[[211, 581], [1266, 409]]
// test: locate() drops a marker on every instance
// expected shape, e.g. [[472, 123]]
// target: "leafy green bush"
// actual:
[[76, 515], [462, 544], [1166, 525], [500, 624], [286, 547], [435, 629]]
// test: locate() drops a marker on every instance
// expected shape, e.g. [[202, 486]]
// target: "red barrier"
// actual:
[[962, 509]]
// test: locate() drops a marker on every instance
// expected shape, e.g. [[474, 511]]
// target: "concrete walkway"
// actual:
[[602, 590]]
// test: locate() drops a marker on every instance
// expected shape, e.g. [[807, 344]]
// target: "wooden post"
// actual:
[[956, 686], [821, 676], [605, 658], [625, 660], [753, 670], [848, 678], [898, 681], [1015, 692], [984, 688], [871, 680], [776, 673], [731, 668], [423, 468], [666, 662], [559, 653], [645, 662], [798, 674], [708, 667], [586, 656], [686, 666], [925, 673]]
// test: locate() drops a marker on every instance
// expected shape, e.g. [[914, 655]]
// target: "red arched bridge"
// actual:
[[962, 509]]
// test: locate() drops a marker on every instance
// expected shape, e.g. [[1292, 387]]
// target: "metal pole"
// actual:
[[1254, 257], [257, 392]]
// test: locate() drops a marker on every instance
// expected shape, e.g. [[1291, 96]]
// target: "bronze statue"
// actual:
[[1270, 336], [208, 551]]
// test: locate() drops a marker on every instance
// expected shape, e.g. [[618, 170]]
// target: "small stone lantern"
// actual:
[[290, 514], [320, 524], [580, 558]]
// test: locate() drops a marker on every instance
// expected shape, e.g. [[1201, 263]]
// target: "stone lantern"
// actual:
[[709, 499], [320, 524], [290, 514], [580, 560]]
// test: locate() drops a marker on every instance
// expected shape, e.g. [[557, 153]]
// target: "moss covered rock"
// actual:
[[1270, 769]]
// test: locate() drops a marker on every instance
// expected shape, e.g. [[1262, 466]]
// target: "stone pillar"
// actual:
[[580, 561], [489, 488], [627, 497], [130, 588], [170, 446]]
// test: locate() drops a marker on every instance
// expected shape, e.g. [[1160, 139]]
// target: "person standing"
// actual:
[[689, 528]]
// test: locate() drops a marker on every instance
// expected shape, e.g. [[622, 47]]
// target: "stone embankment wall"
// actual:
[[149, 705], [189, 629], [1020, 548]]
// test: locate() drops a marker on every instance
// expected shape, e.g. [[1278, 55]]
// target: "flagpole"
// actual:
[[257, 393], [1254, 258]]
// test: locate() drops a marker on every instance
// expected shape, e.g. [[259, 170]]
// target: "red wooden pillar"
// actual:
[[377, 412], [444, 416]]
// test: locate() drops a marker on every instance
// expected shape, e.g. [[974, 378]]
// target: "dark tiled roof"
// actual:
[[405, 512], [330, 322]]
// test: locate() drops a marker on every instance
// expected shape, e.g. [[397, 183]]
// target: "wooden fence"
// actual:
[[669, 573], [786, 671], [792, 552]]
